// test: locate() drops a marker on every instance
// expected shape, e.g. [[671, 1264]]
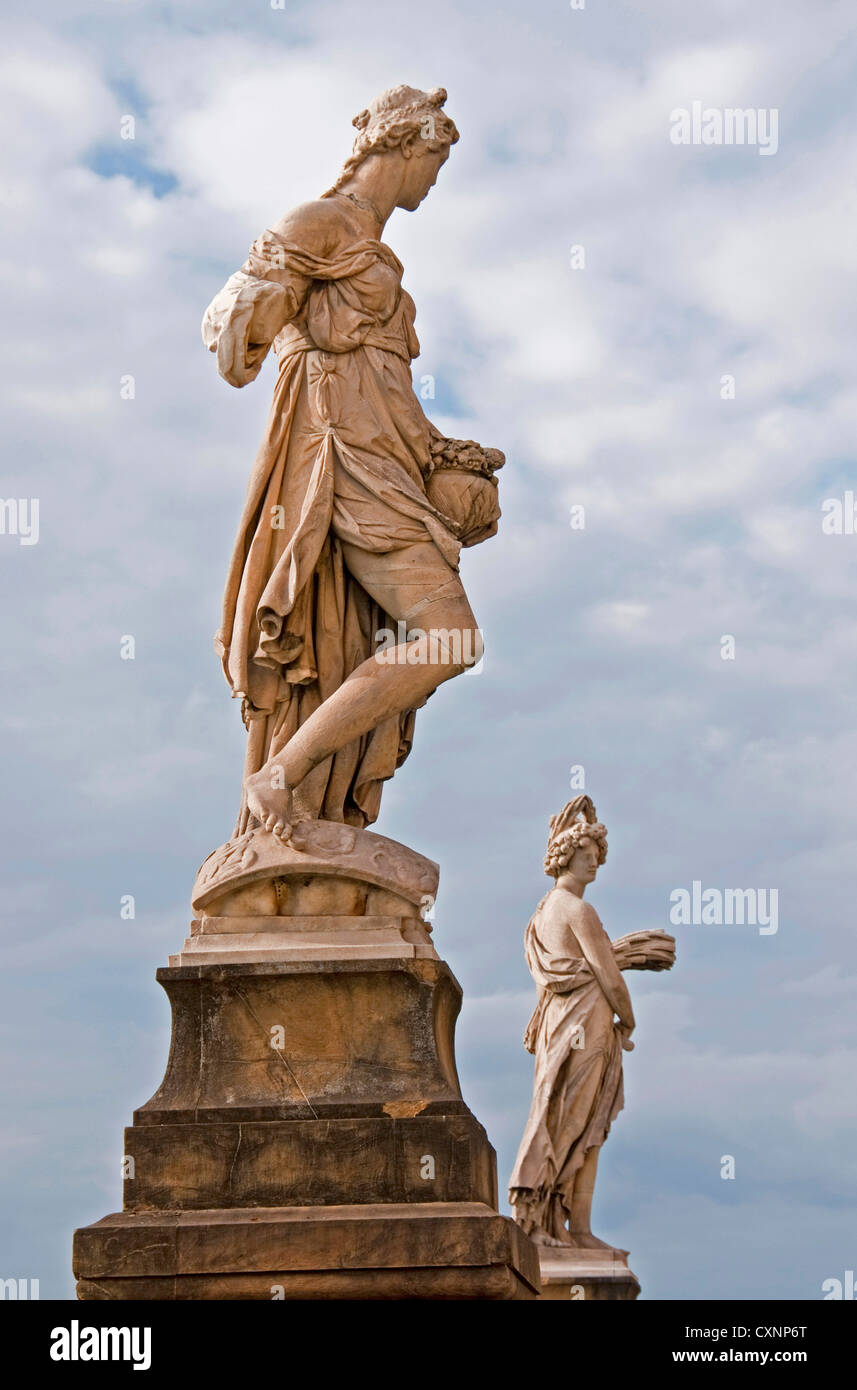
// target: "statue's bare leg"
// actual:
[[415, 586], [581, 1206]]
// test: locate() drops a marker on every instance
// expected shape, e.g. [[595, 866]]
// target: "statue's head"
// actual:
[[577, 842], [409, 126]]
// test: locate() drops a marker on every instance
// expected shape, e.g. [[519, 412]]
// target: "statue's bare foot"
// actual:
[[539, 1236], [585, 1240], [272, 806]]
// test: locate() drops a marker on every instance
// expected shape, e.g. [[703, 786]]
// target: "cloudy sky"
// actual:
[[608, 387]]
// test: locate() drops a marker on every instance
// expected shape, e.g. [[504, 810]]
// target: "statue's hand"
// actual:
[[463, 455], [625, 1034]]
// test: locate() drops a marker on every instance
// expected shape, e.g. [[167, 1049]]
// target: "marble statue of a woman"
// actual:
[[582, 1023], [357, 507]]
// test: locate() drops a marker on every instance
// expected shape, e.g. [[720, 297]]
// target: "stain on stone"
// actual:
[[405, 1109]]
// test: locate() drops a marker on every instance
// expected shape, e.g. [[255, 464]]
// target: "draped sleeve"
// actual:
[[242, 321]]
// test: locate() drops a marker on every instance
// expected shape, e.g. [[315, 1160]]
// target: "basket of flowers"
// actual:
[[462, 486]]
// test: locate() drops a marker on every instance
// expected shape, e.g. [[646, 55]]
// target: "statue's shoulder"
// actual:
[[562, 908], [320, 226], [561, 904]]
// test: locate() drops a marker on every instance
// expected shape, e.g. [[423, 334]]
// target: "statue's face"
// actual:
[[421, 168], [584, 861]]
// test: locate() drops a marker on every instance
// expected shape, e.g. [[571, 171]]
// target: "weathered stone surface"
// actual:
[[495, 1282], [240, 940], [323, 868], [423, 1158], [333, 892], [343, 1163], [575, 1274], [432, 1250], [300, 1036]]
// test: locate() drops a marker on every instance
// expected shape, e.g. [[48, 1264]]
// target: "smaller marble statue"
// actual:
[[582, 1023]]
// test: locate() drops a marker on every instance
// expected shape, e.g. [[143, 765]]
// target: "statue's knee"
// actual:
[[455, 649]]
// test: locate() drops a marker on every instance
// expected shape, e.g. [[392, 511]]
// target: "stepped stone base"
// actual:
[[309, 1138], [431, 1250], [329, 1162], [570, 1274]]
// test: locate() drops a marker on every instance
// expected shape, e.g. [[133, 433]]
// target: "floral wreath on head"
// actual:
[[576, 822]]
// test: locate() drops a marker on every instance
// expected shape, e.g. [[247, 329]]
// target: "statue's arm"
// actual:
[[598, 950], [265, 294]]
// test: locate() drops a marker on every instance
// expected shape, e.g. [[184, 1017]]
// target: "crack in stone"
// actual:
[[281, 1055], [234, 1156], [138, 1250]]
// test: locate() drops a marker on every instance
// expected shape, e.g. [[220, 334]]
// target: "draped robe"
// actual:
[[343, 459], [578, 1086]]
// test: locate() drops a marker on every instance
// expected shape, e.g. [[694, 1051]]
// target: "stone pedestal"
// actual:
[[569, 1274], [443, 1250], [309, 1139]]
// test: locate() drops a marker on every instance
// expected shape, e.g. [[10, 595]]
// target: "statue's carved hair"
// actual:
[[576, 822], [390, 118]]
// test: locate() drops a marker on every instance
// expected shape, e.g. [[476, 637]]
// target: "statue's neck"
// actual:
[[372, 197], [571, 884]]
